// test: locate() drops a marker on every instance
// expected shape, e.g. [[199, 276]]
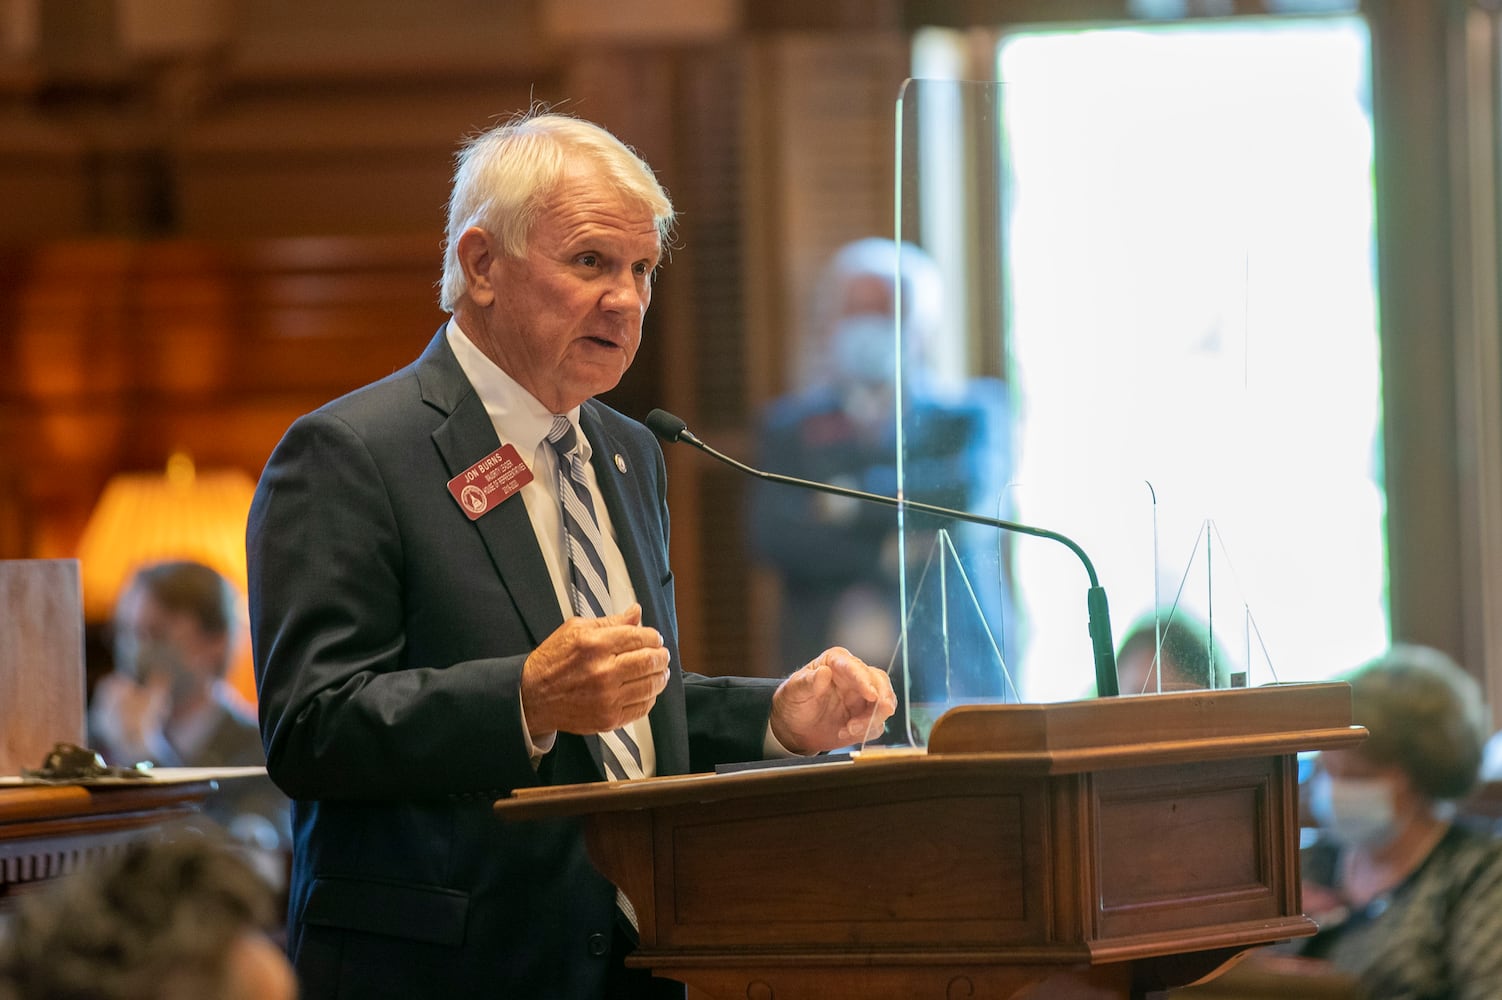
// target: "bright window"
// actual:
[[1192, 339]]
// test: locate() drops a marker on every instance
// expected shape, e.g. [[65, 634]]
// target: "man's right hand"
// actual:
[[129, 719], [593, 675]]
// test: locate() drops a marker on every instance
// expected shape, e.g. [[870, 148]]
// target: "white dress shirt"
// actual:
[[520, 420]]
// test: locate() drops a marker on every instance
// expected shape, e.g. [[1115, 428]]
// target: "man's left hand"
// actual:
[[834, 701]]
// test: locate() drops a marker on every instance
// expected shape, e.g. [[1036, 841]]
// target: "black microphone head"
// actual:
[[666, 426]]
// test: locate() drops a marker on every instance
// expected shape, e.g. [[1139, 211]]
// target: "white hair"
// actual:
[[504, 175], [922, 285]]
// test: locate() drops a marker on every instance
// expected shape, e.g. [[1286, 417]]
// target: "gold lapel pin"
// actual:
[[620, 463]]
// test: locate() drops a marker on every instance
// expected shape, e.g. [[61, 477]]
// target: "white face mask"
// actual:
[[1355, 812]]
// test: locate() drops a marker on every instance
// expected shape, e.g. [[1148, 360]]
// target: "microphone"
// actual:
[[672, 430]]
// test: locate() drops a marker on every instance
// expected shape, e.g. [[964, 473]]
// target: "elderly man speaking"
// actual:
[[459, 585]]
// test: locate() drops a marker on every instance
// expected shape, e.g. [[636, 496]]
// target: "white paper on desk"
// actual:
[[156, 775]]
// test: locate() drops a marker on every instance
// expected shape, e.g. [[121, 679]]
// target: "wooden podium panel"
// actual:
[[1101, 848], [856, 871]]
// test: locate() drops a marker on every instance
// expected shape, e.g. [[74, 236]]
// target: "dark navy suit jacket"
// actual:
[[390, 633]]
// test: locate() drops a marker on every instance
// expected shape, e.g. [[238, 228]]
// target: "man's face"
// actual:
[[565, 319], [156, 646], [867, 295]]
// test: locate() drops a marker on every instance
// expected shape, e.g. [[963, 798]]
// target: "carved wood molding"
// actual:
[[48, 832]]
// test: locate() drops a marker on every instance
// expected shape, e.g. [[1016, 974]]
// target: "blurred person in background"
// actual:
[[1407, 900], [167, 701], [1184, 655], [836, 559], [181, 919]]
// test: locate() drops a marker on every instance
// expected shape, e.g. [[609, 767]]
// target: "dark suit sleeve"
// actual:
[[727, 718], [346, 711]]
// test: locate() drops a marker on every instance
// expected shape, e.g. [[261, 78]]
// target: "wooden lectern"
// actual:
[[1101, 848]]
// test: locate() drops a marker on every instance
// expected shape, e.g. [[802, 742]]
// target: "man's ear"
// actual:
[[476, 253]]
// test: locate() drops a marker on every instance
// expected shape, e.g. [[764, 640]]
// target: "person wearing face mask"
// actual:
[[836, 560], [1407, 901], [166, 700]]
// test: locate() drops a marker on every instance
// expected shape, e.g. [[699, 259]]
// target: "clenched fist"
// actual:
[[833, 701], [593, 675]]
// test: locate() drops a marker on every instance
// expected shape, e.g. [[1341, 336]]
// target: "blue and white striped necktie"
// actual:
[[589, 590]]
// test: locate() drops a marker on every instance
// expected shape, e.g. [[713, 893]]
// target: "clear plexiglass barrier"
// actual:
[[1126, 352]]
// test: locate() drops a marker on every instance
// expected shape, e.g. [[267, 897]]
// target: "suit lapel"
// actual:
[[621, 488], [465, 437]]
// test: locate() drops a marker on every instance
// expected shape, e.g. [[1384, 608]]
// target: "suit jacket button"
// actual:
[[598, 945]]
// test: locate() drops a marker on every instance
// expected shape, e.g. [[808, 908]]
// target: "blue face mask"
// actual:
[[1355, 812], [865, 349]]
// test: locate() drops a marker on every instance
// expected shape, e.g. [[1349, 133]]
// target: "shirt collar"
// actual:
[[518, 417]]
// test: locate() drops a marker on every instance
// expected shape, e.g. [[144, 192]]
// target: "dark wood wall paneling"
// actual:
[[197, 279], [205, 238], [117, 353]]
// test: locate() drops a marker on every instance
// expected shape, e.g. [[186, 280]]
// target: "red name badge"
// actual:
[[482, 486]]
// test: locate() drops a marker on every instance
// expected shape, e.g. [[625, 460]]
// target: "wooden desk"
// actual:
[[49, 831], [1107, 848]]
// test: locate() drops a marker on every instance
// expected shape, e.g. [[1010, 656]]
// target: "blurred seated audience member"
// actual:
[[161, 920], [1187, 659], [1406, 899], [167, 701]]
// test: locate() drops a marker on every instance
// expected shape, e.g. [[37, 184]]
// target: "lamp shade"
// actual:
[[145, 517]]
